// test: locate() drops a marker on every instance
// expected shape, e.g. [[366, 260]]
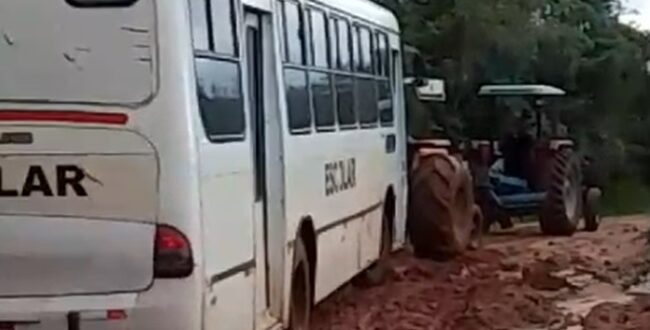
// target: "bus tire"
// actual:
[[376, 274], [301, 289]]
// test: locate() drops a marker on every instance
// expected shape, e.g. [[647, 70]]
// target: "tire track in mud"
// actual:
[[499, 287]]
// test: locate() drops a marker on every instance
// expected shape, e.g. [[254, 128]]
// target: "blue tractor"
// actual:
[[533, 167]]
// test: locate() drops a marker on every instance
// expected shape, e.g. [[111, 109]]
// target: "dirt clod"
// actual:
[[541, 276], [572, 319], [510, 265]]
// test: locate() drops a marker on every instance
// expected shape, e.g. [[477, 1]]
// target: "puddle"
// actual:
[[642, 289]]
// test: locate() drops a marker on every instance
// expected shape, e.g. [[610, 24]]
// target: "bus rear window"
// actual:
[[92, 56]]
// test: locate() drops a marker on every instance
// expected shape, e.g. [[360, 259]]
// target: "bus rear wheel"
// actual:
[[301, 289], [377, 273]]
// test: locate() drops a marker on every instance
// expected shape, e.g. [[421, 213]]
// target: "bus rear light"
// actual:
[[172, 254], [116, 314], [64, 116], [6, 326]]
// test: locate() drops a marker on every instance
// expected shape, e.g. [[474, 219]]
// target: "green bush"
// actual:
[[625, 196]]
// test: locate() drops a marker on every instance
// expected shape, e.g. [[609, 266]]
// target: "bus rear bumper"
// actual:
[[167, 305]]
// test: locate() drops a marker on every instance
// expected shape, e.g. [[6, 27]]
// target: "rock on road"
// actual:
[[519, 280]]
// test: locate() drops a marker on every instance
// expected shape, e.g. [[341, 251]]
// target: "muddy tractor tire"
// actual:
[[562, 210], [592, 209], [442, 214]]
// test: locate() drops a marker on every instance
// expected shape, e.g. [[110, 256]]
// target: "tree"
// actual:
[[578, 45]]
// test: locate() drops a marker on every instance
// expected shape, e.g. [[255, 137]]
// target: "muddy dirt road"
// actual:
[[519, 280]]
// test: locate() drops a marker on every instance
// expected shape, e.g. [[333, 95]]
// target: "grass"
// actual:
[[626, 196]]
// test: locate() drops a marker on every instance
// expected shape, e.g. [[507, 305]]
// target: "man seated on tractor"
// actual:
[[517, 148]]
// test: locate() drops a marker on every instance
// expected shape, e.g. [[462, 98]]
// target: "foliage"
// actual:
[[578, 45], [626, 196]]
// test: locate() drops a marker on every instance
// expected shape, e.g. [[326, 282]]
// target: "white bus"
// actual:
[[194, 164]]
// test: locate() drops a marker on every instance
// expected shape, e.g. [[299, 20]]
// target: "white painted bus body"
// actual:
[[113, 91]]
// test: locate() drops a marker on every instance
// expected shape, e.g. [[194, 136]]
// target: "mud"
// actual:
[[613, 316], [519, 280]]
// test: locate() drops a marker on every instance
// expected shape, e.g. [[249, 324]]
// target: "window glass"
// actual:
[[345, 101], [322, 99], [280, 22], [294, 33], [386, 55], [366, 101], [356, 55], [221, 37], [199, 17], [344, 45], [220, 99], [382, 58], [385, 102], [223, 14], [318, 30], [297, 99], [365, 42], [334, 43]]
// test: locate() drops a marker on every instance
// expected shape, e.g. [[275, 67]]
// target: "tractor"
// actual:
[[533, 167], [443, 219]]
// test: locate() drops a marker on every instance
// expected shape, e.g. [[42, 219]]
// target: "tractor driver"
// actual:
[[517, 148]]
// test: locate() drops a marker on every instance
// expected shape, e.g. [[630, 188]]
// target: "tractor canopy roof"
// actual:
[[520, 90]]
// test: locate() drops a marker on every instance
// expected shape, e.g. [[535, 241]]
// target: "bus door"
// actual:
[[264, 117]]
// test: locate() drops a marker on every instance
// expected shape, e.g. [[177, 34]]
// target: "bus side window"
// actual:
[[318, 31], [366, 98], [382, 65], [345, 63], [384, 90], [220, 37], [200, 28], [218, 72], [343, 81], [366, 93], [334, 43], [295, 83], [385, 102], [322, 99], [296, 77], [320, 79], [356, 51], [220, 99], [388, 116], [365, 49], [294, 32]]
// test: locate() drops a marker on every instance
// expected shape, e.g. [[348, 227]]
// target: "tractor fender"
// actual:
[[559, 144]]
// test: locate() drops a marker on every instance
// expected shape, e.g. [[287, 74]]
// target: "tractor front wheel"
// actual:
[[561, 211]]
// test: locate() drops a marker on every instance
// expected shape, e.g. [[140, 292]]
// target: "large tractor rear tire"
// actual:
[[441, 211], [562, 209]]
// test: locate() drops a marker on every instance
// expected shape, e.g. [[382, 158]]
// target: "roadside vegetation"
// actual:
[[577, 45]]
